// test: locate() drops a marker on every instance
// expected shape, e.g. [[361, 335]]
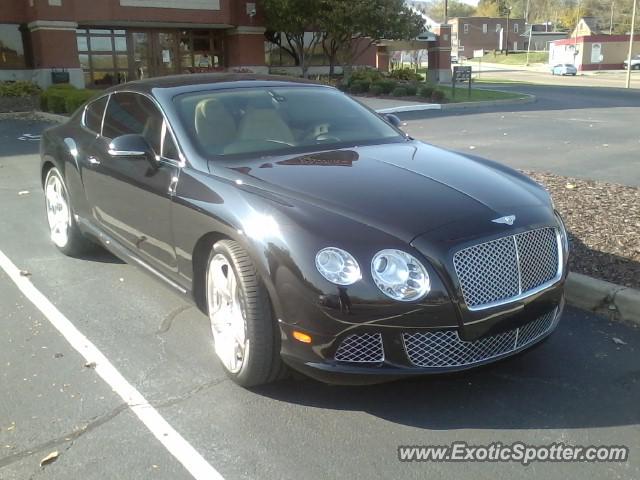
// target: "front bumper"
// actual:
[[367, 354]]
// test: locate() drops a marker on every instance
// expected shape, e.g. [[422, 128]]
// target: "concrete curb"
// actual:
[[52, 117], [411, 108], [490, 103], [615, 301]]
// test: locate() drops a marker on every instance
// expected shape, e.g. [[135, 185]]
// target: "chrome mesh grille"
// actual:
[[538, 255], [505, 268], [447, 349], [361, 348]]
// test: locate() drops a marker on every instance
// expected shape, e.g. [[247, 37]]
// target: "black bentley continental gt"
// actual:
[[311, 230]]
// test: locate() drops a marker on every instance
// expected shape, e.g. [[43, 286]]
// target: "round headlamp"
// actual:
[[338, 266], [400, 275]]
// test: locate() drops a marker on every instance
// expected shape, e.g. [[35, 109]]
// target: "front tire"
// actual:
[[242, 323], [63, 228]]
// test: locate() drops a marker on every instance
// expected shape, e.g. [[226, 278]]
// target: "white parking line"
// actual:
[[175, 444]]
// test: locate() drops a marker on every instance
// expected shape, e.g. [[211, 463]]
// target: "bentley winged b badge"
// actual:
[[507, 220]]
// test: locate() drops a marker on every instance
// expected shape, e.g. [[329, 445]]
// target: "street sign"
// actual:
[[460, 75]]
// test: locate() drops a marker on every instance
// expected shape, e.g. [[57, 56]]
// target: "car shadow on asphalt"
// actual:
[[580, 377]]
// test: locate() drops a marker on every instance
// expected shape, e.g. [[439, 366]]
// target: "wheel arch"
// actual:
[[200, 257]]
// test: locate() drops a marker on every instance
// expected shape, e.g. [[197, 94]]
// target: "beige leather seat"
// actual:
[[264, 124], [215, 126]]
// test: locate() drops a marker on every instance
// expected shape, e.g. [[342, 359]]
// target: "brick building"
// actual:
[[593, 52], [484, 33], [102, 42]]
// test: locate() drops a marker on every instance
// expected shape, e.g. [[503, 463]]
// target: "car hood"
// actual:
[[405, 189]]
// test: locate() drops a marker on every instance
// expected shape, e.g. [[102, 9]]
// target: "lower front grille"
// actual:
[[445, 348], [361, 348]]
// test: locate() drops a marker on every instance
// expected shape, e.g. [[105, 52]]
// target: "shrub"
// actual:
[[356, 88], [365, 75], [18, 89], [64, 98], [76, 98], [412, 89], [437, 96], [364, 85], [343, 87], [406, 74], [375, 89], [399, 92], [387, 85], [425, 91]]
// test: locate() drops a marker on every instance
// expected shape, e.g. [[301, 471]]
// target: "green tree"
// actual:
[[296, 21], [351, 27]]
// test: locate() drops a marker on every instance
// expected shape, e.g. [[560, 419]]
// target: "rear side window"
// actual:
[[132, 113], [93, 114]]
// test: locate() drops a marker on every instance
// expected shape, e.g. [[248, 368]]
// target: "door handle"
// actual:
[[93, 160]]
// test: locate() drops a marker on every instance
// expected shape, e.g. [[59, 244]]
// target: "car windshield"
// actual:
[[254, 121]]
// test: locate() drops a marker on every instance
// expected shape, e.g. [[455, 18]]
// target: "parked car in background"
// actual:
[[635, 63], [310, 229], [564, 69]]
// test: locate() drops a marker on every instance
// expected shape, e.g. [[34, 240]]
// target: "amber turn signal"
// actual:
[[301, 337]]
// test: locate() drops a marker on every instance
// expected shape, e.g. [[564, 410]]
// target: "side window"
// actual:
[[132, 113], [169, 149], [93, 114]]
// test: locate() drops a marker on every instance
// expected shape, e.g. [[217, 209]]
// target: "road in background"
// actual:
[[583, 132]]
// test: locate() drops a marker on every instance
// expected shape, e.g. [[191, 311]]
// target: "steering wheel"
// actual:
[[324, 137]]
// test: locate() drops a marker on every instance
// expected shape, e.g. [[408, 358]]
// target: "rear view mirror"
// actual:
[[130, 145], [393, 120]]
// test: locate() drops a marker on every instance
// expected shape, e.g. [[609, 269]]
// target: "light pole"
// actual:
[[633, 27], [611, 22], [526, 22], [506, 40]]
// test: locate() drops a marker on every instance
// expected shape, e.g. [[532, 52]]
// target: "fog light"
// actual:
[[301, 337]]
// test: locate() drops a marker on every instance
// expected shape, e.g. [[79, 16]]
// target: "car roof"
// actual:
[[211, 81]]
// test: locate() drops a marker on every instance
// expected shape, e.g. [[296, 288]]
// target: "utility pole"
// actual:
[[633, 27], [526, 22], [506, 40], [611, 22], [446, 11]]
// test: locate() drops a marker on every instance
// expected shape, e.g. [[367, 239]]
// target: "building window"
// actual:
[[466, 28], [103, 56], [12, 51], [515, 28], [200, 50], [498, 28], [485, 28]]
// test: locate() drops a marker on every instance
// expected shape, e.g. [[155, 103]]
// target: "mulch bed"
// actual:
[[603, 220]]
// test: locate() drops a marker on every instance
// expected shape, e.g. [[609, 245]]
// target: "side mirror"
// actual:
[[393, 120], [131, 145]]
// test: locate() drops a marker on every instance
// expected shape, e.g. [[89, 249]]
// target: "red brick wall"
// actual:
[[54, 48]]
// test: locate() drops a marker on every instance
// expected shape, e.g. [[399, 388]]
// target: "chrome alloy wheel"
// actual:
[[58, 211], [226, 314]]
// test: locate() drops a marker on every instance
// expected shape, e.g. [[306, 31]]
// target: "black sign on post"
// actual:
[[460, 75]]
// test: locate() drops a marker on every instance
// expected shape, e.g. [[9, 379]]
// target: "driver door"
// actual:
[[130, 197]]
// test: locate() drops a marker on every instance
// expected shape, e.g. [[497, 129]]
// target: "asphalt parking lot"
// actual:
[[584, 132], [580, 387]]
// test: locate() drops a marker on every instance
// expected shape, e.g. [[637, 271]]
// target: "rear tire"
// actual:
[[64, 231], [245, 335]]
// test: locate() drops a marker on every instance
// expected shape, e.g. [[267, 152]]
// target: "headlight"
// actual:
[[400, 275], [338, 266]]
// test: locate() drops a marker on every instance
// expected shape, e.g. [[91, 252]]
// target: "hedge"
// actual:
[[18, 89], [64, 98]]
